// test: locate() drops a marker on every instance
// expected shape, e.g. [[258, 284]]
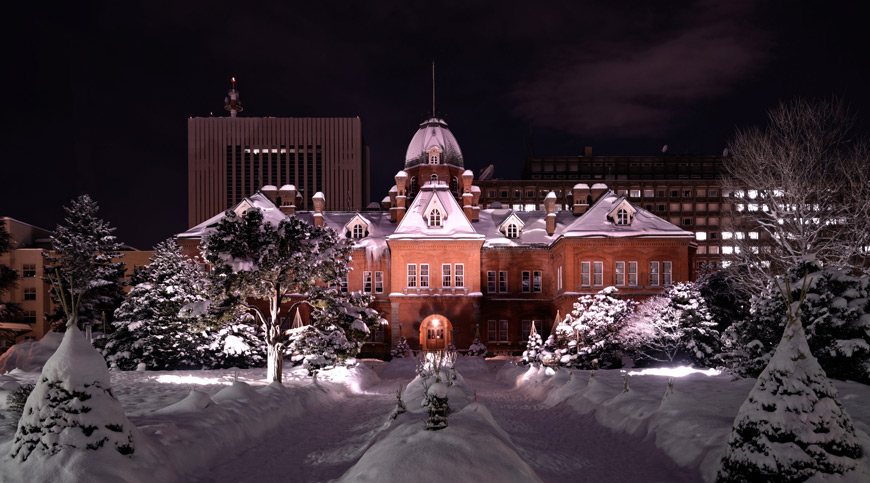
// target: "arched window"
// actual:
[[433, 159], [434, 177], [413, 185], [622, 217], [454, 186], [434, 217], [358, 231], [512, 231]]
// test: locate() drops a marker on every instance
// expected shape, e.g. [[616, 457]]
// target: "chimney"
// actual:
[[581, 198], [271, 192], [587, 152], [319, 202], [467, 196], [550, 206], [386, 203], [598, 189], [401, 179], [287, 195]]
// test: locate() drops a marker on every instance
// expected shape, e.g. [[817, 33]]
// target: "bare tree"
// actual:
[[797, 186]]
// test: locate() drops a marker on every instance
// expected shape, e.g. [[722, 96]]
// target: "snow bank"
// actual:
[[30, 355], [689, 419]]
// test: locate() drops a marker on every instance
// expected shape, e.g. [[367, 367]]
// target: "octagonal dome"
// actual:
[[433, 133]]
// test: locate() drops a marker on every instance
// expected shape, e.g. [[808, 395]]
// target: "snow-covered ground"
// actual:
[[526, 424]]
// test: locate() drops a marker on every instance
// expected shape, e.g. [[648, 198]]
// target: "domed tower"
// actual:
[[434, 155]]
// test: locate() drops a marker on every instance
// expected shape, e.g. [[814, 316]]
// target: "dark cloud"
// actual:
[[641, 85]]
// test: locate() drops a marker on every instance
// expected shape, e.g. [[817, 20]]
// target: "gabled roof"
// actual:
[[454, 223], [596, 223], [622, 205], [271, 213], [511, 218]]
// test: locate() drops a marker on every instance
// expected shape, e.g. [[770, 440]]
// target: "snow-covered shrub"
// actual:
[[477, 349], [438, 371], [836, 314], [16, 400], [402, 349], [792, 425], [594, 327], [318, 347], [232, 344], [726, 299], [72, 407], [534, 348], [400, 405], [675, 327]]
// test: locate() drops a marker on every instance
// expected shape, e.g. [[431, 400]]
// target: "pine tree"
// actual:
[[402, 349], [792, 425], [595, 325], [83, 256], [533, 353], [8, 279]]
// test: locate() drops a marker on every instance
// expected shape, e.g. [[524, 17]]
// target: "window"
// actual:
[[536, 281], [376, 335], [503, 281], [446, 277], [654, 274], [412, 275], [687, 193], [435, 217], [634, 193], [490, 193], [687, 221], [490, 330], [713, 193], [503, 194], [342, 284], [622, 217], [660, 207], [527, 328], [30, 293], [29, 270], [559, 278], [433, 158], [490, 281], [459, 278], [367, 282], [434, 333], [584, 274], [620, 274], [424, 274], [527, 279], [517, 194], [667, 273], [512, 230], [598, 274], [502, 330], [379, 282], [632, 274], [648, 193], [358, 231], [29, 316], [530, 193]]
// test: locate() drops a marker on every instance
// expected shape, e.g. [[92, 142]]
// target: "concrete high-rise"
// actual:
[[233, 157]]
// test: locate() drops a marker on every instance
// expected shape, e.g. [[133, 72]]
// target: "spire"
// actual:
[[232, 102], [297, 321], [433, 88]]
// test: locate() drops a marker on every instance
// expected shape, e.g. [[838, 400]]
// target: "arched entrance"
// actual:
[[436, 333]]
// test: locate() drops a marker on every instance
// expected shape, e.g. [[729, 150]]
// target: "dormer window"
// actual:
[[512, 231], [357, 228], [435, 217], [622, 217], [433, 159], [511, 226], [358, 232], [434, 155]]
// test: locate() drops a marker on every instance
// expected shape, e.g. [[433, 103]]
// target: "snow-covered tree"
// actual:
[[836, 314], [594, 326], [402, 349], [150, 329], [84, 254], [534, 348], [438, 372], [675, 327], [792, 425], [348, 311], [726, 299], [254, 261], [8, 279], [476, 349]]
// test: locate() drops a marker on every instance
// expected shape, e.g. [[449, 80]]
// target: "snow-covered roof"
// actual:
[[595, 222], [433, 133], [415, 223], [271, 213]]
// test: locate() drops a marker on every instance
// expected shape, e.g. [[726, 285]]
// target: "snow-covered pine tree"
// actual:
[[595, 323], [255, 260], [84, 255], [836, 317], [402, 349], [792, 425], [534, 348], [8, 279], [348, 311], [476, 349]]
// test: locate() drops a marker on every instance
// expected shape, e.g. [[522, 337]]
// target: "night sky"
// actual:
[[98, 94]]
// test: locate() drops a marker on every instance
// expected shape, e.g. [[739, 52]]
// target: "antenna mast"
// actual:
[[433, 88]]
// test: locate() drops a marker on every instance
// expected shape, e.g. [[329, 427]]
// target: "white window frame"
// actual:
[[537, 281], [503, 330], [342, 284], [512, 231], [632, 274], [667, 273], [653, 274], [622, 217], [424, 275], [358, 232], [598, 274], [379, 282], [503, 281], [367, 282], [490, 281], [446, 277], [619, 274], [526, 282], [586, 274], [559, 279], [459, 275], [412, 275], [434, 217]]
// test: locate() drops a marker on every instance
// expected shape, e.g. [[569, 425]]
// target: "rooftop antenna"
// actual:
[[232, 102], [433, 88]]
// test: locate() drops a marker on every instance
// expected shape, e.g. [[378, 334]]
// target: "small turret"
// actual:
[[319, 202], [550, 206]]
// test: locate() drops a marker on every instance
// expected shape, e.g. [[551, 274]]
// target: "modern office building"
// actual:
[[231, 157]]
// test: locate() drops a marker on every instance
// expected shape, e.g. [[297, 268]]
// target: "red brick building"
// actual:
[[440, 267]]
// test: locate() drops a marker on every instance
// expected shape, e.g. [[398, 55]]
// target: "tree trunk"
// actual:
[[275, 367]]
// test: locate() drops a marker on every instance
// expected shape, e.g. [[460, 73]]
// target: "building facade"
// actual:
[[230, 158], [442, 268]]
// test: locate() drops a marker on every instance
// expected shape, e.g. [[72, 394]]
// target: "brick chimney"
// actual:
[[581, 198], [401, 196], [598, 189], [287, 194], [319, 202], [467, 196], [271, 192], [550, 206]]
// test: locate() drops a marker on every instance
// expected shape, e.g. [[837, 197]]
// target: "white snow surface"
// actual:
[[527, 424]]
